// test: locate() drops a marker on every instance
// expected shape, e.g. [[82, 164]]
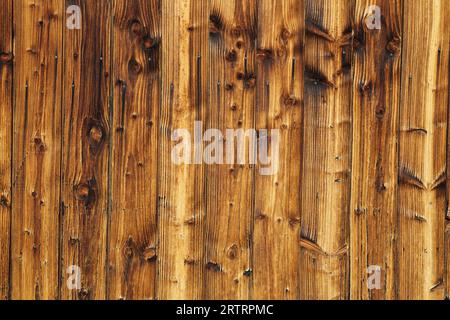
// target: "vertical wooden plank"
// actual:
[[6, 113], [37, 148], [279, 106], [443, 94], [133, 241], [181, 193], [230, 183], [422, 162], [85, 150], [326, 150], [376, 98]]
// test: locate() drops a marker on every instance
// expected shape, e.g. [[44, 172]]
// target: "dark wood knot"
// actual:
[[6, 57]]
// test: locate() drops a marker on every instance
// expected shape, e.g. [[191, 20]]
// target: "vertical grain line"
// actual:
[[12, 166], [122, 120], [110, 145], [349, 204], [61, 161], [397, 195], [199, 87], [301, 165]]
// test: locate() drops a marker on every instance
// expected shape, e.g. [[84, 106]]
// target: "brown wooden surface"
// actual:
[[84, 197], [279, 78], [135, 113], [326, 152], [86, 136], [232, 98], [376, 89], [422, 156], [6, 112], [181, 188], [38, 57]]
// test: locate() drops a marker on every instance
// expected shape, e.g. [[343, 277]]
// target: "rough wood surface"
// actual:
[[230, 187], [88, 123], [279, 106], [181, 188], [37, 149], [376, 96], [84, 199], [325, 189], [6, 112], [422, 155], [135, 114]]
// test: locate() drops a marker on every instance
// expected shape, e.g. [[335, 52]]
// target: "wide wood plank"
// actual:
[[326, 150], [133, 234], [376, 97], [37, 148], [181, 187], [280, 48], [6, 113], [85, 150]]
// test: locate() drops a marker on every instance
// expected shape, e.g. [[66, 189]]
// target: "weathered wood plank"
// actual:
[[326, 150], [442, 96], [181, 193], [37, 148], [85, 150], [136, 73], [279, 106], [376, 97], [230, 182], [422, 162], [6, 113]]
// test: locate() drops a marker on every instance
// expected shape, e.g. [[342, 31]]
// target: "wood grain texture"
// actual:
[[85, 150], [422, 157], [326, 154], [6, 113], [376, 97], [93, 121], [181, 190], [37, 149], [276, 250], [133, 234], [232, 87]]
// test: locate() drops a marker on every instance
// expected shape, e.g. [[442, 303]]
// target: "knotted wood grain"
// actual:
[[376, 98], [135, 114], [326, 165], [232, 87], [36, 149], [85, 153], [277, 215], [87, 178], [6, 113]]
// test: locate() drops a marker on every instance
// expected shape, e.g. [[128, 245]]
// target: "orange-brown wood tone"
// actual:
[[102, 198], [6, 112]]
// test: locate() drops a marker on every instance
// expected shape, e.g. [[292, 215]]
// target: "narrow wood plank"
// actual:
[[326, 150], [181, 193], [279, 106], [422, 162], [85, 150], [6, 113], [132, 257], [443, 95], [230, 182], [376, 98], [37, 148], [422, 168]]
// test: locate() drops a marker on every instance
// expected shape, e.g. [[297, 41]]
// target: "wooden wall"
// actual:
[[86, 123]]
